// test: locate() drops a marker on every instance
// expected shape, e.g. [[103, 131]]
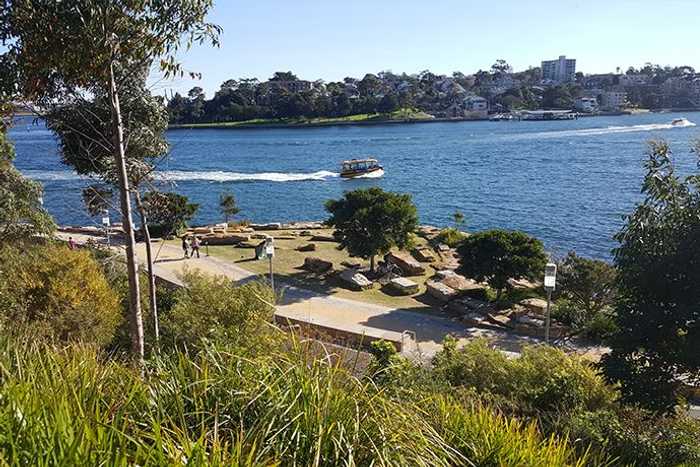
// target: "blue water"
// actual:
[[568, 183]]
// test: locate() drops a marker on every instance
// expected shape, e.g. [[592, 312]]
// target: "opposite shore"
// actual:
[[376, 119]]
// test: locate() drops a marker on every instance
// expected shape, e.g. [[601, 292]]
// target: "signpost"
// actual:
[[270, 253], [550, 279], [106, 223]]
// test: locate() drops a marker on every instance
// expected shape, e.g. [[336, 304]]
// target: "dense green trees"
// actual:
[[92, 47], [371, 221], [658, 265], [21, 212], [168, 212], [56, 293], [498, 255]]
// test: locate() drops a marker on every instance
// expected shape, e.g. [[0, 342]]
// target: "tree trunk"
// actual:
[[132, 268], [149, 260], [371, 263]]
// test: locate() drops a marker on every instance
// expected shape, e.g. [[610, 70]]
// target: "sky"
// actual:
[[331, 39]]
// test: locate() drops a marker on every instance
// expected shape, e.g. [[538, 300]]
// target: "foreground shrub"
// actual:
[[542, 380], [214, 309], [57, 293], [637, 437], [71, 407], [450, 237]]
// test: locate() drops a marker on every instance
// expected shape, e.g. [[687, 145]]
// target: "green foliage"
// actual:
[[226, 409], [21, 212], [450, 237], [588, 283], [57, 293], [371, 221], [168, 212], [96, 199], [228, 206], [543, 380], [498, 255], [213, 309], [657, 311], [459, 218], [636, 437]]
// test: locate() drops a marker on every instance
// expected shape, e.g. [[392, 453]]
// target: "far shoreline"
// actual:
[[376, 122]]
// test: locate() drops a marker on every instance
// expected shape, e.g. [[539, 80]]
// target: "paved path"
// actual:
[[334, 312]]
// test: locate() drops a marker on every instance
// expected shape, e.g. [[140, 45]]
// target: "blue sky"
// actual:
[[332, 39]]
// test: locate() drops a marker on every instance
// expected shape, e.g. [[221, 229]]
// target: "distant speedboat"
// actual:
[[361, 168], [680, 122]]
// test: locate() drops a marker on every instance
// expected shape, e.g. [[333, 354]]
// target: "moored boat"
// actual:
[[361, 168]]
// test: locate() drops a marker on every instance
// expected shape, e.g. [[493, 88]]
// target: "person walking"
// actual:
[[195, 246], [71, 243], [186, 245]]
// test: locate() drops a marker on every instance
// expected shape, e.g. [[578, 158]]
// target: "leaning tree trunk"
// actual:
[[132, 268], [149, 260]]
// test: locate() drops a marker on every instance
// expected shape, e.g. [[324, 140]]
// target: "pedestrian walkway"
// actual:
[[421, 333]]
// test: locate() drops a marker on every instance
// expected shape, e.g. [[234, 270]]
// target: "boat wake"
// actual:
[[606, 131], [220, 176], [183, 176]]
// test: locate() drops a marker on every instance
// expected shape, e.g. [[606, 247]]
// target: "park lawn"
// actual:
[[287, 264], [401, 114]]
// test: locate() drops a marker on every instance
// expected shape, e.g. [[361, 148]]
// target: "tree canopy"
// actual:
[[371, 221], [168, 212], [498, 255], [21, 212], [228, 206], [657, 312]]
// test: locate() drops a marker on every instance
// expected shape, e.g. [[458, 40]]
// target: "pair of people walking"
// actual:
[[190, 247]]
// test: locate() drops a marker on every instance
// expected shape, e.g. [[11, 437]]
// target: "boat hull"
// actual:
[[372, 173]]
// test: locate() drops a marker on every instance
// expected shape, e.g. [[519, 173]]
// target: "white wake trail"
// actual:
[[184, 175]]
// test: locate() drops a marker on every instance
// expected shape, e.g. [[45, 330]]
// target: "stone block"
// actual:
[[403, 286], [537, 306], [355, 279], [440, 291], [407, 263], [317, 265], [424, 254], [307, 247], [323, 238]]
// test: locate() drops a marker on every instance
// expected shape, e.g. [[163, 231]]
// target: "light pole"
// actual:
[[105, 222], [270, 253], [550, 279]]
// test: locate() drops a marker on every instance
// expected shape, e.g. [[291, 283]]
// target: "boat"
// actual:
[[361, 168], [680, 122]]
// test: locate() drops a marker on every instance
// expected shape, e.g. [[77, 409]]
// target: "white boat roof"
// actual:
[[358, 161]]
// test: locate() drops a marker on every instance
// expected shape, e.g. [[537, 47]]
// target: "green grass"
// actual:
[[288, 260], [397, 115], [75, 406]]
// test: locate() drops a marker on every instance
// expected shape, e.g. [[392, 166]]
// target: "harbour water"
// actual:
[[566, 182]]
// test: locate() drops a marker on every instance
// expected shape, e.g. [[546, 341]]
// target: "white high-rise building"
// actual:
[[562, 70]]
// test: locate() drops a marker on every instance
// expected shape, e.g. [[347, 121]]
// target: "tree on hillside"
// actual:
[[96, 199], [65, 49], [84, 130], [589, 284], [388, 104], [371, 221], [284, 76], [169, 212], [228, 206], [657, 311], [21, 212], [498, 255]]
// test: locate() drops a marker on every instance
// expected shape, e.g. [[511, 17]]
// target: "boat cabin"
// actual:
[[359, 167]]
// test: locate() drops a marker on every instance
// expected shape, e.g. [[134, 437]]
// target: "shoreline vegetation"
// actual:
[[396, 117]]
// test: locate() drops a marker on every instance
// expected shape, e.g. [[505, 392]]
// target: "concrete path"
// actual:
[[421, 333]]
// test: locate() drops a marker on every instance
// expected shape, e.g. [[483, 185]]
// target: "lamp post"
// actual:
[[270, 253], [106, 223], [550, 279]]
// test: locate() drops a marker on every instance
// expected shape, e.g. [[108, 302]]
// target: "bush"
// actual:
[[57, 293], [636, 437], [542, 380], [450, 237], [212, 308], [71, 407]]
